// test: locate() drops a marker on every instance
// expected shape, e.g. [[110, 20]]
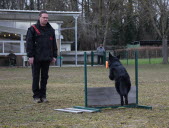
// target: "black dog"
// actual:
[[121, 77]]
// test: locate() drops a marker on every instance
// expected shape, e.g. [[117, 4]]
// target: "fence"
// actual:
[[18, 47], [146, 55], [144, 52]]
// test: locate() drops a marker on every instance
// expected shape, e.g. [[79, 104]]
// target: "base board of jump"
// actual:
[[125, 106], [107, 96], [145, 107], [78, 110]]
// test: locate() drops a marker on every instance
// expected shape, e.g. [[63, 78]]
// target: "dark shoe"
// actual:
[[44, 100], [37, 100]]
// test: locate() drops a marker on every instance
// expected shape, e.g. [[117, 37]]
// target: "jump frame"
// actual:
[[136, 105]]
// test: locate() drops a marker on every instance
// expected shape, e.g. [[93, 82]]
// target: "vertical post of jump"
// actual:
[[85, 78], [136, 75], [136, 82], [127, 57]]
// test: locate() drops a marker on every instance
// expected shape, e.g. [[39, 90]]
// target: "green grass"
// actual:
[[143, 61], [66, 89]]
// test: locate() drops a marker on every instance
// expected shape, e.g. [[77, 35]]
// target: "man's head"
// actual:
[[43, 18]]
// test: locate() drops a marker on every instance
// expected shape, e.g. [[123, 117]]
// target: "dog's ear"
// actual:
[[110, 55], [118, 57]]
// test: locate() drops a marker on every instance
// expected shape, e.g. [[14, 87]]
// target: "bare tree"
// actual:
[[74, 5], [159, 15], [110, 7], [115, 22]]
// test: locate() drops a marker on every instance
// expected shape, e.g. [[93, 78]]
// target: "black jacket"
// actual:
[[42, 44]]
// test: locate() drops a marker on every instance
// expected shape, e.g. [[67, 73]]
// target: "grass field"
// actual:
[[65, 89], [143, 61]]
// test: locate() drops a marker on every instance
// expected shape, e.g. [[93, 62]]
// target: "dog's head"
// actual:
[[114, 60]]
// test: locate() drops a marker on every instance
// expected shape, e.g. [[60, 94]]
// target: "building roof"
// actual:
[[17, 21], [32, 15]]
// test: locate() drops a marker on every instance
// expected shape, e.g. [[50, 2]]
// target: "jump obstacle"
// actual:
[[107, 97], [97, 98]]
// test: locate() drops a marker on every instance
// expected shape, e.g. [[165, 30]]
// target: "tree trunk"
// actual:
[[82, 9], [165, 50], [106, 32], [31, 4], [38, 5]]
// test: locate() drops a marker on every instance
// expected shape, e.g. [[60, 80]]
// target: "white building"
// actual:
[[17, 22]]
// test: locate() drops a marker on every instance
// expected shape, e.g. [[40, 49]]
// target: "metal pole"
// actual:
[[75, 16], [92, 58], [85, 78], [60, 59], [127, 57], [104, 58], [136, 75], [3, 48], [22, 44], [60, 47], [136, 82], [149, 56]]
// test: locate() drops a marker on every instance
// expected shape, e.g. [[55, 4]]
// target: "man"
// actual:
[[100, 53], [41, 50]]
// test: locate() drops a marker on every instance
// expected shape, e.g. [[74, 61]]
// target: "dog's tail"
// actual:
[[125, 85]]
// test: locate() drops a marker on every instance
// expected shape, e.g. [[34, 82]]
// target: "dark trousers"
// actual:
[[40, 76], [100, 59]]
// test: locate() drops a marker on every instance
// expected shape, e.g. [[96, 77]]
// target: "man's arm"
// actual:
[[54, 47], [30, 44]]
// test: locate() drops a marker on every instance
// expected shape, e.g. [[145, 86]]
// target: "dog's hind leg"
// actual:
[[126, 99], [122, 101]]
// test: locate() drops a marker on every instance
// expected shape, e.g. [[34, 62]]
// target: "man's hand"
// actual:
[[53, 60], [31, 59]]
